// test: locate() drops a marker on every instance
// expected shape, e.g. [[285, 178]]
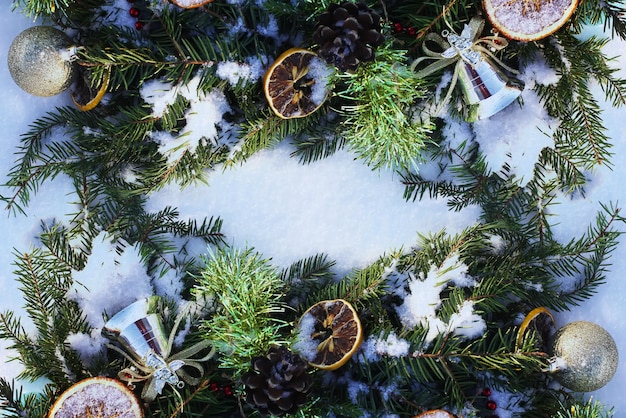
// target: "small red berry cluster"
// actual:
[[490, 404], [136, 13], [228, 390], [399, 28]]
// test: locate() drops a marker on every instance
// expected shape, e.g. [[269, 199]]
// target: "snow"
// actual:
[[204, 116], [244, 73], [289, 211], [125, 281], [376, 346], [423, 300]]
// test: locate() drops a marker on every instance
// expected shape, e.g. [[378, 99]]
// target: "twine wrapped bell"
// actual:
[[585, 356]]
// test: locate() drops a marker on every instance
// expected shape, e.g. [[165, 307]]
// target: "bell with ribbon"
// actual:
[[486, 88], [139, 331]]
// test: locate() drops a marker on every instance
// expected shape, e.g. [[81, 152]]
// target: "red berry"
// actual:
[[134, 12], [397, 27], [486, 392], [214, 387], [411, 31], [492, 406], [228, 390], [139, 25]]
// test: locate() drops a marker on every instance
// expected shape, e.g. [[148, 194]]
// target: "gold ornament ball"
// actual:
[[586, 356], [39, 61]]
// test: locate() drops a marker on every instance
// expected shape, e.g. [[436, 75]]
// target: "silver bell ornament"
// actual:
[[486, 88], [139, 330], [585, 356], [40, 61]]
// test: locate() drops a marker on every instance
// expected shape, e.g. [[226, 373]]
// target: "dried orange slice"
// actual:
[[296, 84], [540, 316], [85, 98], [97, 397], [435, 413], [191, 4], [335, 330], [528, 20]]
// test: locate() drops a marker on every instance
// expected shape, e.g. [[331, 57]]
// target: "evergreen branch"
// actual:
[[247, 293], [310, 148], [268, 130], [378, 125], [317, 268]]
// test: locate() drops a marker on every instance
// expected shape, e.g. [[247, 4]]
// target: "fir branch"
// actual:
[[247, 292], [310, 148], [378, 125], [585, 409], [268, 130]]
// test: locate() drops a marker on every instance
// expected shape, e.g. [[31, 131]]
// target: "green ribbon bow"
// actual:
[[466, 48]]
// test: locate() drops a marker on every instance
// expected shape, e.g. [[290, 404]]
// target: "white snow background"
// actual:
[[338, 206]]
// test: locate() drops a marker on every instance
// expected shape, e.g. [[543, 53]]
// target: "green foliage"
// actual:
[[113, 157], [247, 292], [588, 409], [378, 124]]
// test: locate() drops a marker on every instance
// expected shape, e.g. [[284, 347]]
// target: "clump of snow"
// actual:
[[320, 72], [239, 26], [537, 71], [466, 323], [243, 73], [421, 303], [169, 285], [110, 281], [204, 116], [356, 388], [116, 13], [88, 346], [515, 136], [305, 345], [375, 347]]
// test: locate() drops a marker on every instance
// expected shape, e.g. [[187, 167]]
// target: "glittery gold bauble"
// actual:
[[585, 356], [39, 61]]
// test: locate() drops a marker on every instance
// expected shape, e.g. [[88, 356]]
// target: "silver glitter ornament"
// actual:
[[585, 356], [40, 61]]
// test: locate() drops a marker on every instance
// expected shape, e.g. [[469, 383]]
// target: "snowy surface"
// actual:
[[338, 206]]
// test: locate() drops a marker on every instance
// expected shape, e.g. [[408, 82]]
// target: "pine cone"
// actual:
[[278, 383], [348, 34]]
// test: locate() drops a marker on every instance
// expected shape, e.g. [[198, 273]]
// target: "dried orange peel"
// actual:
[[526, 322], [97, 98]]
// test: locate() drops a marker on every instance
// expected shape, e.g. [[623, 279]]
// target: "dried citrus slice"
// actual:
[[85, 98], [191, 4], [528, 20], [296, 84], [539, 316], [335, 331], [97, 397], [435, 413]]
